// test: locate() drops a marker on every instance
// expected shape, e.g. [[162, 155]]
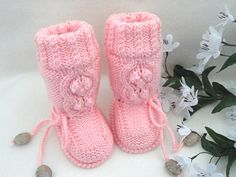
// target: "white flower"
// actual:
[[184, 162], [232, 87], [210, 172], [210, 45], [185, 112], [185, 89], [168, 98], [199, 68], [168, 45], [183, 130], [232, 134], [187, 100], [230, 114], [226, 17]]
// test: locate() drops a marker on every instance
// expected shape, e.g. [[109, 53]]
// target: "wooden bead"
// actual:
[[191, 139], [43, 171], [173, 167], [22, 139]]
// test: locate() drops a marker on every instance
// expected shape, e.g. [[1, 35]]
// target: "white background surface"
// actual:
[[24, 103], [23, 99]]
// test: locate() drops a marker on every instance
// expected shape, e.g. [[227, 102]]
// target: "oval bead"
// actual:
[[22, 138], [173, 167], [192, 139], [43, 171]]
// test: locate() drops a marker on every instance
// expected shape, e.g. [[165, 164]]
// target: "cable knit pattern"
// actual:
[[69, 61], [134, 51]]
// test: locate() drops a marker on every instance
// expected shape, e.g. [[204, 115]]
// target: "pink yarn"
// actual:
[[68, 57], [134, 50]]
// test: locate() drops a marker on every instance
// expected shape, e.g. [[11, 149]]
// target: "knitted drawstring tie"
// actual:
[[55, 118], [154, 104]]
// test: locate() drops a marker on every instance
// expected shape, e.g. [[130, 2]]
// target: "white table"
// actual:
[[24, 102]]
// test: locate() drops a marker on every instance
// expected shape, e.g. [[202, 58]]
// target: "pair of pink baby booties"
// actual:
[[68, 58]]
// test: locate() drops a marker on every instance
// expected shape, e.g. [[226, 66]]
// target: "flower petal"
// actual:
[[185, 113], [184, 161], [175, 45], [211, 168], [169, 38], [198, 169], [202, 55], [230, 16], [217, 175], [232, 134], [184, 130], [212, 30], [235, 145], [216, 55], [165, 105]]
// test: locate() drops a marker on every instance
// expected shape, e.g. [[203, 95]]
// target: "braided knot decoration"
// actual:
[[76, 89], [138, 85]]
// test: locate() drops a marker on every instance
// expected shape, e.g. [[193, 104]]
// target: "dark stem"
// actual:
[[196, 133], [228, 44], [211, 159], [192, 158], [167, 54], [165, 77], [224, 55], [218, 160]]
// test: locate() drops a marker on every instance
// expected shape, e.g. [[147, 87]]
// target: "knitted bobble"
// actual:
[[133, 34]]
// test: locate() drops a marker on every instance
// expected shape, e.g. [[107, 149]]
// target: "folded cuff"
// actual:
[[66, 44], [135, 34]]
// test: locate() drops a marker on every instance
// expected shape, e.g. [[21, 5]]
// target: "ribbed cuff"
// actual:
[[135, 34], [66, 44]]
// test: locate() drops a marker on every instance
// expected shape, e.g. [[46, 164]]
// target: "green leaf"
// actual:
[[230, 61], [220, 89], [170, 81], [177, 71], [202, 101], [231, 159], [190, 77], [212, 147], [227, 101], [221, 140], [175, 85], [206, 83]]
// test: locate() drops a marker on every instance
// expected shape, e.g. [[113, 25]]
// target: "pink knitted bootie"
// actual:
[[68, 57], [134, 51]]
